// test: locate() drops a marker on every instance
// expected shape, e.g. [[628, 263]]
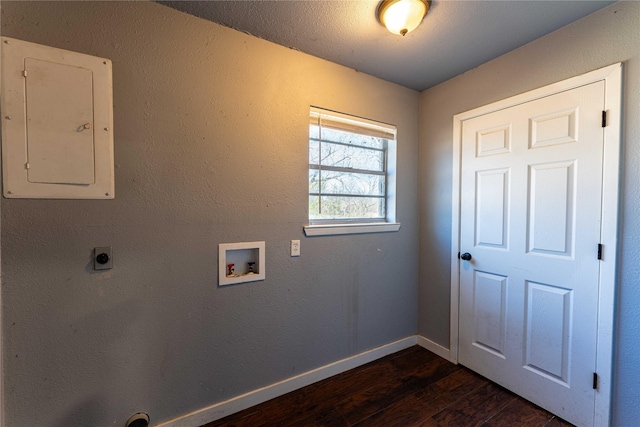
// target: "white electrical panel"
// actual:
[[57, 123]]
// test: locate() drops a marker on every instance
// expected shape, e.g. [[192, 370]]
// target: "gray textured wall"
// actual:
[[603, 38], [210, 147]]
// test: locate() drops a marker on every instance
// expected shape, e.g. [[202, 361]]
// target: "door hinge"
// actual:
[[24, 73], [600, 251], [458, 255], [595, 381], [27, 166], [604, 119]]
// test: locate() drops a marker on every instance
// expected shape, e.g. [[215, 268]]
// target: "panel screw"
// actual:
[[106, 129], [9, 192], [6, 42], [7, 117], [106, 194]]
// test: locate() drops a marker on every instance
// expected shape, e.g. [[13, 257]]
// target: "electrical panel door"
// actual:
[[57, 134]]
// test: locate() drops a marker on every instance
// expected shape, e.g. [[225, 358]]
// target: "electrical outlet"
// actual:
[[102, 258], [295, 248]]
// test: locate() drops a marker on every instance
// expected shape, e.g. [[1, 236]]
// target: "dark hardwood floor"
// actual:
[[413, 387]]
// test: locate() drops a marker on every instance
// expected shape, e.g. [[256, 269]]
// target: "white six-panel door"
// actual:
[[530, 212]]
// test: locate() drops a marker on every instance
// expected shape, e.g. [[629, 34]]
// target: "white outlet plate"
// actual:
[[106, 250], [295, 248]]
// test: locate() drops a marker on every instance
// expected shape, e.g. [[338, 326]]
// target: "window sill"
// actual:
[[337, 229]]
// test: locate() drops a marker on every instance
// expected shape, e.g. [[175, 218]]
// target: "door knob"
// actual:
[[466, 256]]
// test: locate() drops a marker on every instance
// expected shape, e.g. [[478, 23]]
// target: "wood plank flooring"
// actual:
[[413, 387]]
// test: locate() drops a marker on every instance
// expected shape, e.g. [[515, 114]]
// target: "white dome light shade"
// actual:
[[402, 16]]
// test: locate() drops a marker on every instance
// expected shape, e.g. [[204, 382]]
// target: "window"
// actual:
[[351, 174]]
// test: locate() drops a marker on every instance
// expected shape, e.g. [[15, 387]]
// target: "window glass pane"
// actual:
[[314, 131], [314, 180], [346, 156], [334, 207], [351, 138], [314, 206], [333, 182], [314, 152]]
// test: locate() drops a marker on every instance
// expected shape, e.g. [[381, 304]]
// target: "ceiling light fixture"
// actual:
[[402, 16]]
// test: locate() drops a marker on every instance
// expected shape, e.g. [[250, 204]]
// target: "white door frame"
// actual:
[[612, 76], [1, 315]]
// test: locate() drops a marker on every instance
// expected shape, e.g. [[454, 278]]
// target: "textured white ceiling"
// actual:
[[455, 36]]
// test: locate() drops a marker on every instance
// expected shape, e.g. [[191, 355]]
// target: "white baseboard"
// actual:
[[436, 348], [247, 400]]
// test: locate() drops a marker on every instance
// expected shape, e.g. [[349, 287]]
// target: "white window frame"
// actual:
[[370, 127]]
